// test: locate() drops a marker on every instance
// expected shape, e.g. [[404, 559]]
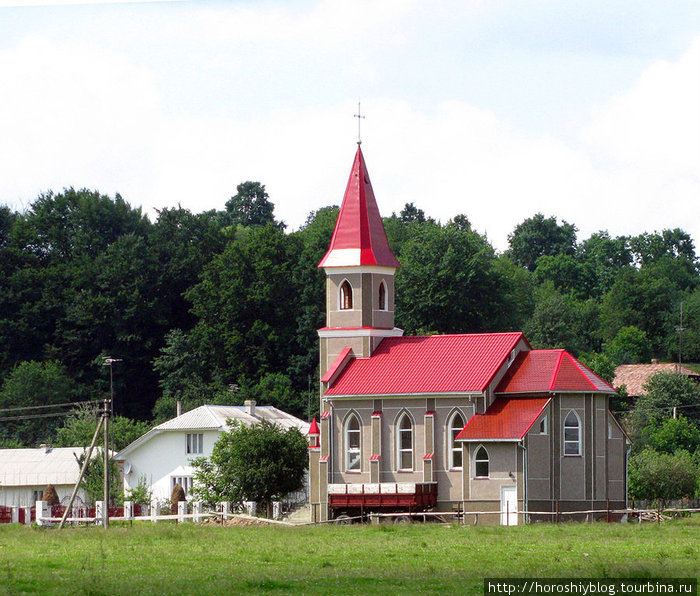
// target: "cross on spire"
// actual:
[[360, 118]]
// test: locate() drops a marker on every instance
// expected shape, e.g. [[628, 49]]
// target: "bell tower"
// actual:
[[359, 268]]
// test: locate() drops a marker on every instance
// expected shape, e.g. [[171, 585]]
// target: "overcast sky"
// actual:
[[588, 110]]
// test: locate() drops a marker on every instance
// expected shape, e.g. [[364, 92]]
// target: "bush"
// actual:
[[662, 477], [140, 494]]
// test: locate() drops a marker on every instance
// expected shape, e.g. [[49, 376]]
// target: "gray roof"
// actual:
[[214, 418], [39, 467]]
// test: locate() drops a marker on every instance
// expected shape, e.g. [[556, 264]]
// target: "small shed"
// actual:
[[25, 473]]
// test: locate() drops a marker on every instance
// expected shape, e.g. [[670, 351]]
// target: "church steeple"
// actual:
[[359, 237], [359, 268]]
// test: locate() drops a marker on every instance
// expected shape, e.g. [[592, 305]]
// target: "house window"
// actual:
[[345, 296], [37, 495], [382, 296], [405, 443], [455, 448], [195, 443], [481, 463], [353, 435], [184, 481], [572, 434], [543, 425]]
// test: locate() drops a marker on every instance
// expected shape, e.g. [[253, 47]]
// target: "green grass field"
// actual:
[[434, 559]]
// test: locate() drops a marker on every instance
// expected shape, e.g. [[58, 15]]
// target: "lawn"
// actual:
[[435, 559]]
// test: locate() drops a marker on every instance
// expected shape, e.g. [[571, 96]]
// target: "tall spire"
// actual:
[[359, 237]]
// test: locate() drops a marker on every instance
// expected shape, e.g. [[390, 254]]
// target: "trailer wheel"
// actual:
[[402, 519], [343, 519]]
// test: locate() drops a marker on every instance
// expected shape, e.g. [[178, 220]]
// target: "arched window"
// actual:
[[352, 443], [481, 463], [382, 296], [572, 434], [345, 296], [405, 443], [454, 448]]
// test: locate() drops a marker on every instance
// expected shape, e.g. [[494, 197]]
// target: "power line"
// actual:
[[64, 404], [35, 416]]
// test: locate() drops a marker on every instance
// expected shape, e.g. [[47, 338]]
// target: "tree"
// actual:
[[662, 477], [674, 434], [93, 479], [260, 463], [537, 236], [448, 282], [274, 389], [563, 322], [78, 429], [662, 392], [630, 346], [604, 258], [250, 206], [248, 303], [35, 384]]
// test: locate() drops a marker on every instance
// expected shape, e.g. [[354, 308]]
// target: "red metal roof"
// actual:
[[547, 371], [427, 364], [337, 365], [359, 237], [313, 429], [505, 418]]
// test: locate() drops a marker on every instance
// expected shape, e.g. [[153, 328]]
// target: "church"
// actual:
[[460, 422]]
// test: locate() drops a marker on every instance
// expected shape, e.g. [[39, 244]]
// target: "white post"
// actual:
[[28, 516], [99, 511], [75, 512], [225, 509], [129, 510], [250, 507], [15, 515], [276, 509], [181, 511], [155, 511], [42, 511], [197, 510]]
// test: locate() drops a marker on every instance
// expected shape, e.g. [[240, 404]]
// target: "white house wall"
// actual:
[[162, 457]]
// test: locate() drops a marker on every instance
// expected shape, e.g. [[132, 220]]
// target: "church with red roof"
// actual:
[[480, 424]]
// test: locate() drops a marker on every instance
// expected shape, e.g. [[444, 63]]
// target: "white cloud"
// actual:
[[84, 117]]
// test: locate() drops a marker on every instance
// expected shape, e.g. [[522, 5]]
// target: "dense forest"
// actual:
[[223, 306]]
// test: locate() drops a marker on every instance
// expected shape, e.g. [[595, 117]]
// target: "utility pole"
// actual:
[[680, 329], [105, 415]]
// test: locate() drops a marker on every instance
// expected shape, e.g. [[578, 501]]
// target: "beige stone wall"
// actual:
[[365, 300]]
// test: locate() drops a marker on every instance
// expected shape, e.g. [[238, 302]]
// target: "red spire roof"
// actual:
[[313, 429], [359, 237], [546, 371]]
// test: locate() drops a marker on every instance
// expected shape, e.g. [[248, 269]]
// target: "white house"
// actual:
[[162, 457], [25, 473]]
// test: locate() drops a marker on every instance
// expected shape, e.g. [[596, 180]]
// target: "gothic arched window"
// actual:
[[455, 425], [572, 434], [345, 296], [352, 443], [481, 463], [404, 443], [382, 296]]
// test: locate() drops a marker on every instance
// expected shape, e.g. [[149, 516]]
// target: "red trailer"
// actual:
[[357, 499]]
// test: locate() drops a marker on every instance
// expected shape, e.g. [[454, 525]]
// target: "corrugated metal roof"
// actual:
[[39, 467], [546, 371], [214, 418], [505, 418], [359, 237], [427, 364]]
